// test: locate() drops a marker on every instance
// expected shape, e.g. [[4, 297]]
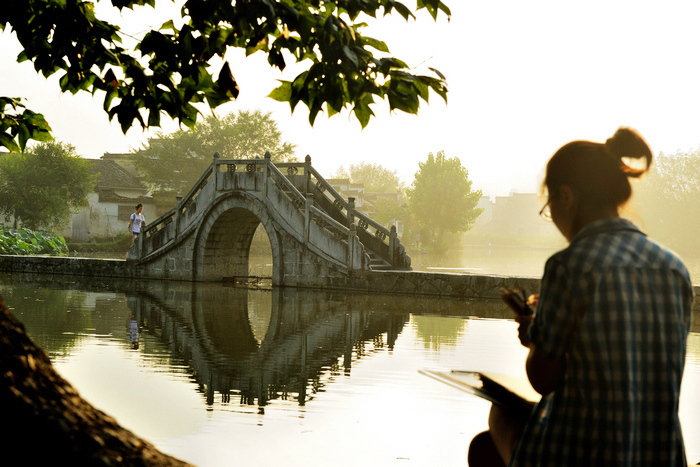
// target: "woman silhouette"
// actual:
[[607, 341]]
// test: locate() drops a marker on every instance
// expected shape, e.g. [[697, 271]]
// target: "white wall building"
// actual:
[[115, 197]]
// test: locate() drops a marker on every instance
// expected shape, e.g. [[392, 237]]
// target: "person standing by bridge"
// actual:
[[136, 221], [607, 342]]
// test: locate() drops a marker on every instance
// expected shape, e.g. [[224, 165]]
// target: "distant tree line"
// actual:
[[667, 201], [439, 203], [171, 163], [42, 186]]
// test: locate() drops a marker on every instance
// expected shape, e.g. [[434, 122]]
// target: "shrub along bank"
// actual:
[[30, 242]]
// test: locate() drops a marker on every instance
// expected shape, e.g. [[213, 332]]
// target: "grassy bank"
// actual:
[[119, 244]]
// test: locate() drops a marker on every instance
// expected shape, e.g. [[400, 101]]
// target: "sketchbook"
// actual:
[[507, 391]]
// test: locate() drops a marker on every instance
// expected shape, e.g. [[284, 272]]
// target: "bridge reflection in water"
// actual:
[[236, 345]]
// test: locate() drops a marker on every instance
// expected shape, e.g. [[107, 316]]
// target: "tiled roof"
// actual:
[[108, 196], [112, 175], [115, 156]]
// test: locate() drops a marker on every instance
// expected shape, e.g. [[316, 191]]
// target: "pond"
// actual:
[[217, 375]]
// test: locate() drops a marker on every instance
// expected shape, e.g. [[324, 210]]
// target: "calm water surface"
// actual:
[[217, 375], [514, 261]]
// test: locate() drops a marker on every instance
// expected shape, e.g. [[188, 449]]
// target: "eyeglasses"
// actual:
[[546, 212]]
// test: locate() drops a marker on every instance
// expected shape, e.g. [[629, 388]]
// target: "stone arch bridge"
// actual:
[[313, 234]]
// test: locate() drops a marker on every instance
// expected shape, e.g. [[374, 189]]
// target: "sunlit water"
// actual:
[[514, 261], [216, 375]]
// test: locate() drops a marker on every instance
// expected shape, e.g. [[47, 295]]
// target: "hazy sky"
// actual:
[[524, 78]]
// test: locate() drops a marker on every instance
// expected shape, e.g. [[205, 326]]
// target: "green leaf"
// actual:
[[282, 93], [363, 114], [403, 10], [226, 82], [437, 72], [332, 110], [423, 89], [168, 25], [377, 44], [347, 51], [8, 142], [41, 135], [154, 118], [445, 9], [22, 136]]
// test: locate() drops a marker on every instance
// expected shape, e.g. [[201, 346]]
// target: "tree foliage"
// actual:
[[667, 200], [41, 187], [20, 126], [172, 163], [441, 200], [387, 210], [379, 184], [374, 177], [169, 70]]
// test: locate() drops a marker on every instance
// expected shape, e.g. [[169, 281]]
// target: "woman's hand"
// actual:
[[525, 320], [532, 300], [524, 324]]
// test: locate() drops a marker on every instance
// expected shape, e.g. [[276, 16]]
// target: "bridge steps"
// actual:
[[343, 211], [377, 263]]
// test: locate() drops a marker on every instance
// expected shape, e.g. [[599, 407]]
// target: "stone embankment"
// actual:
[[392, 282], [397, 282]]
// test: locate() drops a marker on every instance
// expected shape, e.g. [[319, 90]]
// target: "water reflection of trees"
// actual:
[[446, 329], [436, 332], [57, 318]]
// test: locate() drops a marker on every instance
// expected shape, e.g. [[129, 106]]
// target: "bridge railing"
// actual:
[[159, 232], [383, 241], [339, 223], [303, 202], [283, 183], [323, 220], [189, 206]]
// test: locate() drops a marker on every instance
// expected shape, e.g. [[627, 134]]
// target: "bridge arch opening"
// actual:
[[235, 237], [260, 254], [231, 322]]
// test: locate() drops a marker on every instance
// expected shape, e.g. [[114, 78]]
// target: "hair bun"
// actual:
[[628, 143]]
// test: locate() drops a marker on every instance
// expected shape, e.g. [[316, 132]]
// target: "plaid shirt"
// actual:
[[615, 308]]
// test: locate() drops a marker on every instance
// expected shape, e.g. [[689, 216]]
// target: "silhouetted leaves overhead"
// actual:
[[169, 71]]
